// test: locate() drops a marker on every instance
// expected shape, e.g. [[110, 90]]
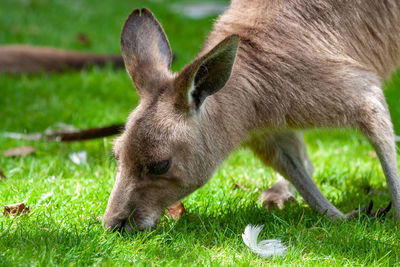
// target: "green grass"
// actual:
[[65, 198]]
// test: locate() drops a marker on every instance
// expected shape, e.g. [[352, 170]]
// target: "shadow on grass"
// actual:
[[41, 241], [304, 231], [360, 192], [32, 240]]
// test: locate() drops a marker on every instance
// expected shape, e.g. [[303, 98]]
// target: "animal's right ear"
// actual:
[[145, 49]]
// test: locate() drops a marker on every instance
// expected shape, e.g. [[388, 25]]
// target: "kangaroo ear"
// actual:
[[145, 48], [207, 74]]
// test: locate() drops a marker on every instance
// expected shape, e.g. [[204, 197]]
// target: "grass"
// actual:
[[65, 198]]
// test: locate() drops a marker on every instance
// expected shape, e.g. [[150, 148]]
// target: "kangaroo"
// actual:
[[267, 70]]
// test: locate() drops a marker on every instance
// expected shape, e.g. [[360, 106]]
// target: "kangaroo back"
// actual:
[[366, 32]]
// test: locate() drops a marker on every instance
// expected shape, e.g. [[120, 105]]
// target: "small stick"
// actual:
[[19, 59], [86, 134]]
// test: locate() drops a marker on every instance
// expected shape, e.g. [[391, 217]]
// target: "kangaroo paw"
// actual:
[[276, 196], [367, 210]]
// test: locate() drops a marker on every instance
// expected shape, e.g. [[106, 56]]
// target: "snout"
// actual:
[[114, 225], [130, 224], [129, 209], [120, 226], [137, 219]]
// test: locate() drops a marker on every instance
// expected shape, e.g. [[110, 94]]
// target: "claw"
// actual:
[[369, 208], [365, 210], [379, 213]]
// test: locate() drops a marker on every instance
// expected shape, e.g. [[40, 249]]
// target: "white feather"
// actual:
[[265, 248]]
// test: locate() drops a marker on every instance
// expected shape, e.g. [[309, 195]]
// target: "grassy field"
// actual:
[[66, 198]]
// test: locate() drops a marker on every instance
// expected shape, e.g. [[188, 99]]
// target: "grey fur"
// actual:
[[300, 64]]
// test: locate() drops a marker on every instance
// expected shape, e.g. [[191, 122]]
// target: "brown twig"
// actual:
[[20, 59], [86, 134]]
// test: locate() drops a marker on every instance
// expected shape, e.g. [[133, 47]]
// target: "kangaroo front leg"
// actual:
[[283, 191], [287, 154]]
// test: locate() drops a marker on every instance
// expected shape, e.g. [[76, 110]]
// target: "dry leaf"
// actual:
[[372, 154], [83, 39], [16, 209], [175, 211], [2, 175], [19, 151], [244, 188]]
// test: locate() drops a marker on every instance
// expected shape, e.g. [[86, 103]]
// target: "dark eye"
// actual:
[[115, 155], [159, 167]]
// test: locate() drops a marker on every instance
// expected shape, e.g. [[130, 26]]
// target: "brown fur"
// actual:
[[20, 59], [300, 64]]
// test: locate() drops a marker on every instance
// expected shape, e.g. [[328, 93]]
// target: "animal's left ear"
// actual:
[[206, 75]]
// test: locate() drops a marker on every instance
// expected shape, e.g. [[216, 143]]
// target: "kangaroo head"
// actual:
[[163, 153]]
